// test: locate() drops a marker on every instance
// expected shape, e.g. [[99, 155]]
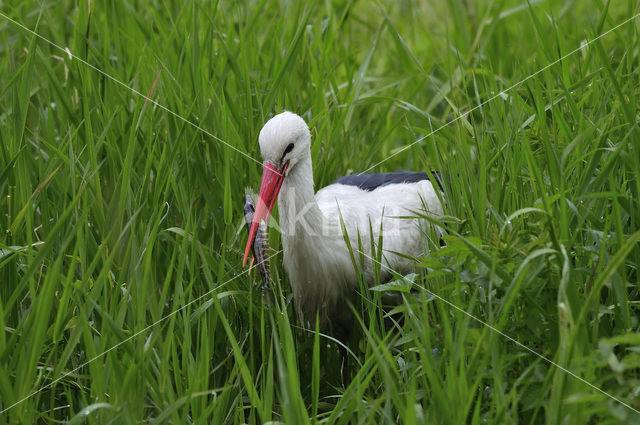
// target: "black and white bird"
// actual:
[[316, 256]]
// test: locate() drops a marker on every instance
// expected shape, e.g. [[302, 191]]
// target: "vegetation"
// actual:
[[122, 296]]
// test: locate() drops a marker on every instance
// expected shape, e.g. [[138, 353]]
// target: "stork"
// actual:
[[316, 256]]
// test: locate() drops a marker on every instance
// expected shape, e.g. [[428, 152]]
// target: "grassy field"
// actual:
[[122, 295]]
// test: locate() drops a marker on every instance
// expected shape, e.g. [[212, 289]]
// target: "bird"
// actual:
[[318, 228]]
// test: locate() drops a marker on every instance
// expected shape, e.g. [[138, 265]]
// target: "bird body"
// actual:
[[316, 256]]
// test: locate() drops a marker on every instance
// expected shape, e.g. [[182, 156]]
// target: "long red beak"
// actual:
[[272, 179]]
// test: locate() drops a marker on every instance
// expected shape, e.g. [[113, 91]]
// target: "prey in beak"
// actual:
[[272, 179], [260, 244]]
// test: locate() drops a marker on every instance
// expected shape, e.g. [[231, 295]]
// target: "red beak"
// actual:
[[272, 179]]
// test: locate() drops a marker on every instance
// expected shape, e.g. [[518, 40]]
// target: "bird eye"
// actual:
[[288, 149]]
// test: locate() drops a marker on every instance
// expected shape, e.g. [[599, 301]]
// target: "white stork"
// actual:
[[316, 256]]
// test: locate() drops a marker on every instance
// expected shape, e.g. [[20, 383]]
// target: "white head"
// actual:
[[285, 138]]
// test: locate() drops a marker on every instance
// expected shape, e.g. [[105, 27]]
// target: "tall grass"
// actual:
[[118, 214]]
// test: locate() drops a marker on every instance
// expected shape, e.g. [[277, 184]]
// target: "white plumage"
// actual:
[[316, 256]]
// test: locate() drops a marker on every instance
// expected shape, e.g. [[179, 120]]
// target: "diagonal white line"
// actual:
[[134, 91], [519, 344], [532, 351], [140, 332], [419, 140], [503, 92]]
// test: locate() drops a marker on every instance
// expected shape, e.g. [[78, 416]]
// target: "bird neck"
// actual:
[[297, 206]]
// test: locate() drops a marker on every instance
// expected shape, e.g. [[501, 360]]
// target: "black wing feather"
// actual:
[[371, 182]]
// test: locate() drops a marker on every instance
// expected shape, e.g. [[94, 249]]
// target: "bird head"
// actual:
[[284, 140]]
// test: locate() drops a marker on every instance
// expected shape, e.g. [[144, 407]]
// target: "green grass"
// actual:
[[117, 213]]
